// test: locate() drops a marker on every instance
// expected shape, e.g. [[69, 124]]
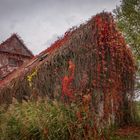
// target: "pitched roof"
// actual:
[[12, 44]]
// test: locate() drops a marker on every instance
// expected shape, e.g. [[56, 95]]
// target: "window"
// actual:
[[13, 62]]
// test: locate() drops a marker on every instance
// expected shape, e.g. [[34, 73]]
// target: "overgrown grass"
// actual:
[[43, 119], [50, 120], [36, 120]]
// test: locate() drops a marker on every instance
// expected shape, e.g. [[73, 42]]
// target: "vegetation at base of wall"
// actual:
[[44, 119], [35, 120]]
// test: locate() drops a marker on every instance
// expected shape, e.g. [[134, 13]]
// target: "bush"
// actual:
[[44, 119], [35, 120], [50, 120]]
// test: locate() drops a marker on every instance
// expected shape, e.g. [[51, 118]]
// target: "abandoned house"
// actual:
[[13, 53]]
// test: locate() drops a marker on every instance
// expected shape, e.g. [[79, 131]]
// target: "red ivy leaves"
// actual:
[[66, 82]]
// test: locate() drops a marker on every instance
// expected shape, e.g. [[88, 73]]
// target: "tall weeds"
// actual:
[[48, 120]]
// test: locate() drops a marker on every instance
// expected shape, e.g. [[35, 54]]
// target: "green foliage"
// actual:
[[128, 20], [35, 120], [41, 120], [46, 120]]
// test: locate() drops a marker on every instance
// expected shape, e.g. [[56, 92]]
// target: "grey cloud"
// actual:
[[38, 22]]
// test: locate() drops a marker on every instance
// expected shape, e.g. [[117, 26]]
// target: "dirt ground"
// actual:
[[128, 133]]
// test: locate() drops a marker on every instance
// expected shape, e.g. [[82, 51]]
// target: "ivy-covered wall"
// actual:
[[91, 60]]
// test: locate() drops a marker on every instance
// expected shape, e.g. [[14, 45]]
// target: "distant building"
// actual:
[[13, 53]]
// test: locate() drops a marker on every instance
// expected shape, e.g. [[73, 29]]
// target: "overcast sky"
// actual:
[[40, 22]]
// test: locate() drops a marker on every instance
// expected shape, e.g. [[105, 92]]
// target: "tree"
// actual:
[[128, 20]]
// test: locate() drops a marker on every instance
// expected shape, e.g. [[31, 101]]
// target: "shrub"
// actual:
[[35, 120]]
